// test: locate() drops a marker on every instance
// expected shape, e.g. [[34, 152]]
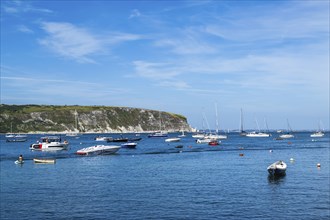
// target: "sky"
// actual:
[[206, 60]]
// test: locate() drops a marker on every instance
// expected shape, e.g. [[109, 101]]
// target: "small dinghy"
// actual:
[[277, 168], [19, 162], [45, 161]]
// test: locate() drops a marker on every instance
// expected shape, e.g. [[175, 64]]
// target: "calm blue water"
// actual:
[[157, 181]]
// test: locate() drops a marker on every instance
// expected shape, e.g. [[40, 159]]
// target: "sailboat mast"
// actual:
[[216, 118], [76, 119], [241, 121]]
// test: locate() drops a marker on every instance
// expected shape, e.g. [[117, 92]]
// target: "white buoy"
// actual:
[[270, 151], [291, 159]]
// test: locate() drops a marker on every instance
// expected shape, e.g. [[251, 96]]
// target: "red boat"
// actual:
[[214, 143]]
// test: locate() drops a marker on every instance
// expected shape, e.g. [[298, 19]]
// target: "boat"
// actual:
[[98, 150], [16, 139], [98, 138], [129, 145], [288, 133], [12, 137], [257, 134], [172, 139], [241, 131], [213, 143], [134, 139], [317, 134], [158, 134], [182, 134], [50, 143], [121, 139], [19, 162], [45, 161], [198, 136], [277, 168], [74, 134], [286, 136], [203, 141], [215, 136], [179, 146]]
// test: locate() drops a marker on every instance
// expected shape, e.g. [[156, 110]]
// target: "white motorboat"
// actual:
[[317, 134], [172, 139], [216, 136], [286, 136], [277, 168], [50, 143], [98, 150], [257, 134], [103, 138], [158, 134], [198, 136], [204, 141]]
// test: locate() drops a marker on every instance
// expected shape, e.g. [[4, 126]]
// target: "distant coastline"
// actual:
[[87, 119]]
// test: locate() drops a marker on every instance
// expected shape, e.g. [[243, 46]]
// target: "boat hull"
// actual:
[[257, 135], [50, 143], [172, 140], [44, 161], [277, 168], [286, 136], [317, 135], [49, 147], [98, 150], [129, 145]]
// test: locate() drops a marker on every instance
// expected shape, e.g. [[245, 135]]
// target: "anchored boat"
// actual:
[[46, 161], [98, 150], [277, 168], [50, 143]]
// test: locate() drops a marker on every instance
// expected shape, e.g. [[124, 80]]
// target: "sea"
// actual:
[[160, 180]]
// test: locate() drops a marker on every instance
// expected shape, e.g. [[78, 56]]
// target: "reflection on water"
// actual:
[[276, 179]]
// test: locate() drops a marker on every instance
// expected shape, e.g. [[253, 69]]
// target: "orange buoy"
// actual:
[[241, 155]]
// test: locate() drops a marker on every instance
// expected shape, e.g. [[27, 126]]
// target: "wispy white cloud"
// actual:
[[69, 41], [10, 10], [43, 80], [155, 71], [135, 13], [79, 44], [15, 7], [24, 29], [41, 90], [175, 84]]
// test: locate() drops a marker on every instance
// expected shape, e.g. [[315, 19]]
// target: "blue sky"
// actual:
[[270, 58]]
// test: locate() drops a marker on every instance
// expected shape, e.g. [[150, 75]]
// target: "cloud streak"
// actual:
[[79, 44]]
